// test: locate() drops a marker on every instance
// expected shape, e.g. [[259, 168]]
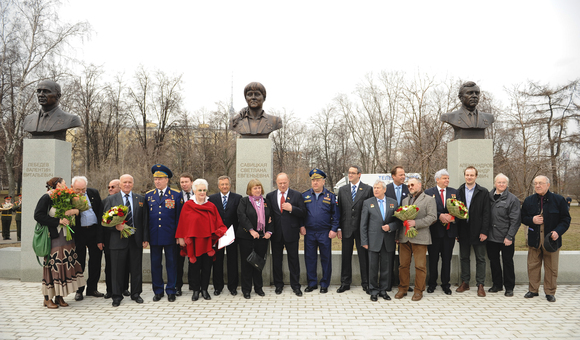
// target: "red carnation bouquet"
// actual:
[[457, 209], [115, 216], [405, 213], [62, 201]]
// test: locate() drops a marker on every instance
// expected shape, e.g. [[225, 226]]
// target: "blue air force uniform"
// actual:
[[322, 216], [164, 214]]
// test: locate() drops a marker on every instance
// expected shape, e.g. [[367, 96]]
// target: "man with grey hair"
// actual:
[[547, 217], [505, 222], [88, 234], [378, 230], [443, 233]]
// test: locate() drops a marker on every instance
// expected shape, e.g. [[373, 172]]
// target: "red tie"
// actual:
[[282, 202], [443, 197]]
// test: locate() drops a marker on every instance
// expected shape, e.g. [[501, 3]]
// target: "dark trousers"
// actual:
[[465, 260], [18, 229], [440, 247], [232, 263], [108, 269], [179, 263], [86, 239], [119, 258], [6, 227], [199, 272], [293, 262], [384, 260], [249, 273], [346, 271], [507, 256], [314, 241], [157, 268]]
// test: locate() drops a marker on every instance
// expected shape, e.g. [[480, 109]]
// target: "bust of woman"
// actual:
[[252, 121]]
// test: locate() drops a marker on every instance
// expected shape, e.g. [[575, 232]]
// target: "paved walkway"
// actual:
[[350, 315]]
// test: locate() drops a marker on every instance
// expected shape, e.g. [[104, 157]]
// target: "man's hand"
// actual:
[[181, 242], [386, 228], [254, 234], [267, 235], [538, 219], [145, 244], [507, 242], [101, 246], [411, 223], [287, 206], [120, 227], [302, 231], [366, 246], [445, 218], [339, 235], [482, 237], [331, 234], [554, 235]]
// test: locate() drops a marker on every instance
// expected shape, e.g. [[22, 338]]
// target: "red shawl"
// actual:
[[201, 226]]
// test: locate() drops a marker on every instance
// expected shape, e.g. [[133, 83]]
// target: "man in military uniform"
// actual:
[[17, 208], [6, 217], [320, 227], [164, 206]]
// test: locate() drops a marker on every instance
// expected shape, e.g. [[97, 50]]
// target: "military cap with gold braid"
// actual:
[[317, 173], [160, 170]]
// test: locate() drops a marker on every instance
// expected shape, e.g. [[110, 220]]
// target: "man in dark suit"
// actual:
[[185, 182], [227, 205], [89, 236], [398, 191], [378, 228], [287, 209], [350, 201], [468, 122], [473, 232], [443, 233], [164, 207], [130, 247]]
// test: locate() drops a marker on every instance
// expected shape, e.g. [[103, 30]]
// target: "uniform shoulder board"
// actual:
[[150, 191]]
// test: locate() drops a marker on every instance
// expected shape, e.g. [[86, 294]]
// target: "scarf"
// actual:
[[258, 204]]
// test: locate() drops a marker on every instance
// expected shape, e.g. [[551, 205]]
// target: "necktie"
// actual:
[[353, 192], [188, 196], [282, 200], [129, 218], [225, 202], [398, 195], [160, 194], [443, 197], [382, 209]]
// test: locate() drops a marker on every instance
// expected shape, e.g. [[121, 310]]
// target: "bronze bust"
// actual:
[[252, 121], [51, 122], [468, 122]]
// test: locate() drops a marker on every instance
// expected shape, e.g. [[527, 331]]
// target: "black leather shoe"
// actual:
[[530, 295], [260, 292], [430, 289], [171, 297], [343, 288], [116, 303], [96, 293], [297, 291], [366, 289], [217, 292], [205, 295], [323, 290], [137, 298], [108, 296], [234, 292], [195, 295], [309, 289], [551, 298], [495, 289], [156, 297], [247, 295], [279, 290], [78, 296], [374, 298], [126, 293], [178, 292], [386, 296], [509, 292], [447, 291]]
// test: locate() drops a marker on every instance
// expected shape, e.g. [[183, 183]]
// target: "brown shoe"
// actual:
[[480, 291], [417, 296], [49, 304], [400, 294], [60, 301], [464, 286]]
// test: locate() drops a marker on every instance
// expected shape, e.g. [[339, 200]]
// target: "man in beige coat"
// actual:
[[416, 246]]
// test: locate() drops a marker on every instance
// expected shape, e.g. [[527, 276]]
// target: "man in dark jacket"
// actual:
[[545, 213], [474, 230]]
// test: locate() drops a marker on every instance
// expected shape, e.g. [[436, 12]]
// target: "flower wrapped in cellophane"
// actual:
[[80, 203], [457, 208], [405, 213], [115, 216], [62, 201]]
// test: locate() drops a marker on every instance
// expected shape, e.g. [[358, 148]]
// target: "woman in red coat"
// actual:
[[199, 228]]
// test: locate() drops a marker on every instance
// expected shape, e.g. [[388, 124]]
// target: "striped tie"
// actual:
[[225, 202], [353, 192], [129, 218]]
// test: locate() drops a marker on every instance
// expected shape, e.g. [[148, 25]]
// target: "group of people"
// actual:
[[7, 209], [187, 224]]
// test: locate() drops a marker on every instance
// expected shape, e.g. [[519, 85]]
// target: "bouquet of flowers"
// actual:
[[62, 200], [405, 213], [80, 202], [457, 208], [116, 215]]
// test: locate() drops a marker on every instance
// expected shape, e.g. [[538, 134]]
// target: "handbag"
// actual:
[[41, 242], [256, 260]]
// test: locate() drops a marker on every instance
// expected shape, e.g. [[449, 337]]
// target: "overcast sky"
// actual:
[[307, 52]]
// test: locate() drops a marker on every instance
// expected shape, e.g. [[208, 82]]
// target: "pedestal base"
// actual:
[[462, 153], [253, 160]]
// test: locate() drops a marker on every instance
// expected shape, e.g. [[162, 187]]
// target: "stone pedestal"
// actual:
[[254, 159], [462, 153], [42, 160]]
